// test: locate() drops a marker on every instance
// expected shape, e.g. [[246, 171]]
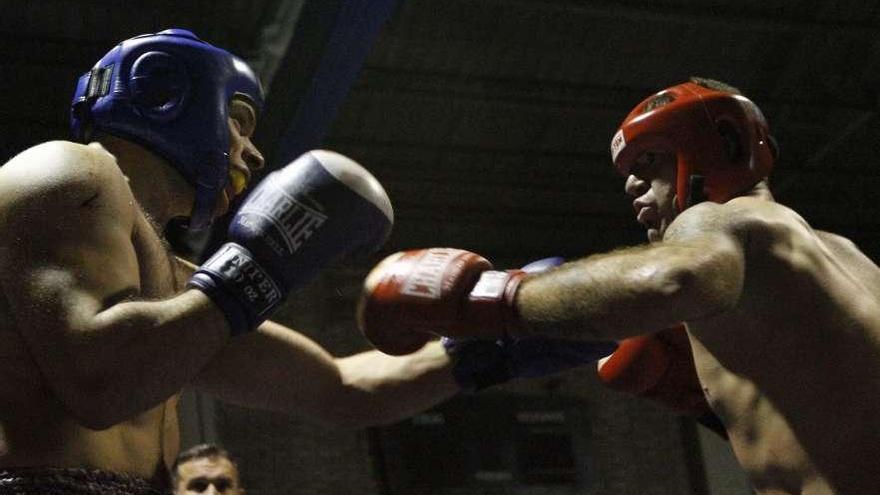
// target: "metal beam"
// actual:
[[327, 43]]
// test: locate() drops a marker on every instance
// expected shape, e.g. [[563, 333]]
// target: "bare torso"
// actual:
[[97, 338], [794, 369], [36, 429]]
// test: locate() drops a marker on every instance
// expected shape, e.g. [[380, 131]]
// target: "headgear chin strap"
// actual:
[[721, 141], [170, 92]]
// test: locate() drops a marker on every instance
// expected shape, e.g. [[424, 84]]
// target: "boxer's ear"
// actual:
[[159, 86]]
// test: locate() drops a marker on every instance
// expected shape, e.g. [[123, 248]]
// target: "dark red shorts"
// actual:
[[72, 481]]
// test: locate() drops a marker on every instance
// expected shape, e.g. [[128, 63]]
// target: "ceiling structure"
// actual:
[[489, 121]]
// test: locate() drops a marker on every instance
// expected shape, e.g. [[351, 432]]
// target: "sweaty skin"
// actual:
[[99, 335], [784, 322], [39, 260]]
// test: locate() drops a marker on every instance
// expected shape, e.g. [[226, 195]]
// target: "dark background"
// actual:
[[488, 122]]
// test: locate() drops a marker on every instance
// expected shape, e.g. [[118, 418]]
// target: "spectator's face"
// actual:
[[207, 476]]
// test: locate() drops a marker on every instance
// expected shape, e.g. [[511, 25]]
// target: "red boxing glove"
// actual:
[[659, 367], [413, 295]]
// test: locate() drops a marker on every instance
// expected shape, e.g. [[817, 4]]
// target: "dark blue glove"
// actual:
[[319, 208], [482, 363], [543, 264]]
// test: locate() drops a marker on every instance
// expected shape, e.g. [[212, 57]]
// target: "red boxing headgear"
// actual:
[[716, 135]]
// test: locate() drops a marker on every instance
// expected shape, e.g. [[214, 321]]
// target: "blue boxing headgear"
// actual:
[[170, 92]]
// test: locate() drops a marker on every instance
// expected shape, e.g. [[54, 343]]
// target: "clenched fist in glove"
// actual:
[[478, 363], [412, 295]]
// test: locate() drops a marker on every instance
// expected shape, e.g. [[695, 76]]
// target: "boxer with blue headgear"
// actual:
[[103, 326], [170, 92]]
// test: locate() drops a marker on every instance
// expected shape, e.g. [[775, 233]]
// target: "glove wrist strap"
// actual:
[[492, 303], [239, 286]]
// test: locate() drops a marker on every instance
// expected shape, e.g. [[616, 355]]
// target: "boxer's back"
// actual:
[[794, 369], [36, 428]]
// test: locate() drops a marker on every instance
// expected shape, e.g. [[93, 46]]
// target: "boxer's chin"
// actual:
[[655, 234]]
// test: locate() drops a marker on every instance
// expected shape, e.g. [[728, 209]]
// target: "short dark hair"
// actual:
[[201, 451], [716, 85], [663, 98]]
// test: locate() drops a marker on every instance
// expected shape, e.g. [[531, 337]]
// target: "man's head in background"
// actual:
[[205, 470]]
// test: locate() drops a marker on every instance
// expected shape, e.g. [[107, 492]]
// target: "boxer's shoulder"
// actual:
[[745, 219], [775, 231], [60, 181], [61, 167]]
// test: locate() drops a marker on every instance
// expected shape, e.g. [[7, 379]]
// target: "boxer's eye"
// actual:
[[198, 486], [643, 165], [646, 159]]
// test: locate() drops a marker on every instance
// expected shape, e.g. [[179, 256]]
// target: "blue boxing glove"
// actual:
[[478, 364], [319, 208], [482, 363], [543, 264]]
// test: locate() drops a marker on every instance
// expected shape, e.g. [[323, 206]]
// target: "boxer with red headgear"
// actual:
[[783, 319], [722, 146], [720, 140]]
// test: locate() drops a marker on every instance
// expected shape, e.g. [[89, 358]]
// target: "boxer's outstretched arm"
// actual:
[[71, 280], [697, 271], [281, 370]]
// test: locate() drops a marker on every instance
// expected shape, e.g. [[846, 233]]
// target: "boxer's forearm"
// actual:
[[381, 389], [631, 291], [279, 369]]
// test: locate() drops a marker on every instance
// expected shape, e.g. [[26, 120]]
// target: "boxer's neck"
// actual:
[[159, 189]]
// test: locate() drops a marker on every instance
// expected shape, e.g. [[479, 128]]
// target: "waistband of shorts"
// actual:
[[72, 481]]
